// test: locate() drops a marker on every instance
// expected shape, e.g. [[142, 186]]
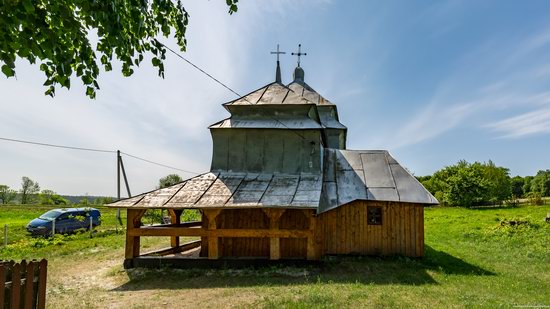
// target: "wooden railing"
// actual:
[[23, 285]]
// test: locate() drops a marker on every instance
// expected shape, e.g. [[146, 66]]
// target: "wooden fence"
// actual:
[[23, 285]]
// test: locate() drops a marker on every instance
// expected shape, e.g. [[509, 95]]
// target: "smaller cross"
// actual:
[[277, 52], [299, 53]]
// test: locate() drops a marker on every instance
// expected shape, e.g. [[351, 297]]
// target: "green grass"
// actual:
[[472, 260], [23, 246]]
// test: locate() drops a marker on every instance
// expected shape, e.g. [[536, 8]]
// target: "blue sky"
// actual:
[[432, 82]]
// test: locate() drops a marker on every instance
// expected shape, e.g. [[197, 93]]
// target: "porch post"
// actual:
[[213, 247], [311, 240], [274, 242], [175, 218], [133, 221]]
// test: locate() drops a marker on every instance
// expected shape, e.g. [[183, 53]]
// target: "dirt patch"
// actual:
[[98, 280]]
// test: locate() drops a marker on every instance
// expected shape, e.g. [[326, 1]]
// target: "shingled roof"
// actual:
[[234, 190], [277, 93], [348, 175]]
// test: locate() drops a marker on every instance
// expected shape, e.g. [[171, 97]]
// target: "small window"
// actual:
[[374, 215]]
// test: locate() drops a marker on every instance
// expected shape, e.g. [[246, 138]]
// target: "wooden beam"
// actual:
[[274, 242], [133, 222], [254, 233], [171, 250], [312, 243], [175, 218], [213, 243]]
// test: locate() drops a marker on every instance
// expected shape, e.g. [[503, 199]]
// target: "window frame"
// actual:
[[378, 215]]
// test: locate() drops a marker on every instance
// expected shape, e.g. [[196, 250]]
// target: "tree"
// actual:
[[6, 194], [29, 189], [527, 184], [103, 200], [469, 184], [541, 183], [499, 186], [84, 201], [169, 180], [57, 34], [517, 183], [49, 197]]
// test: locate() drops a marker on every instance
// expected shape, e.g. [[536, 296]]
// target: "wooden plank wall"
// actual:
[[344, 230], [259, 247], [243, 219], [293, 247]]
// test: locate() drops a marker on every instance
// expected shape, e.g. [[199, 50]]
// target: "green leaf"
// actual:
[[50, 91], [87, 79], [90, 92], [29, 7], [9, 72], [54, 34]]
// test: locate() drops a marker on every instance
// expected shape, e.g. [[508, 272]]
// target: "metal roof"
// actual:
[[304, 90], [348, 175], [234, 190], [277, 93], [343, 177], [276, 123], [329, 117], [375, 175]]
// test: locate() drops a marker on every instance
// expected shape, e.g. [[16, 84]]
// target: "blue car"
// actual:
[[67, 220]]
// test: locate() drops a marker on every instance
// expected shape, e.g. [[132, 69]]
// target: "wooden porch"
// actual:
[[211, 232]]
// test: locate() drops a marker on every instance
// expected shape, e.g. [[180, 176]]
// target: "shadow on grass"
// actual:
[[335, 269]]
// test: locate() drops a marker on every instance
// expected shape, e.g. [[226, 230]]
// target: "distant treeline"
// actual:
[[30, 193], [472, 184]]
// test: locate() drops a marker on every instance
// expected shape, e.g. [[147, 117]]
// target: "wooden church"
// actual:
[[282, 185]]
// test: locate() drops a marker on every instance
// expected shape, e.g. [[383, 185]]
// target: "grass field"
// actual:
[[472, 260]]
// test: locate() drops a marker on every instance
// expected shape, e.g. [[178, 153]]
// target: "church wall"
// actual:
[[266, 150], [345, 230], [257, 247], [336, 138]]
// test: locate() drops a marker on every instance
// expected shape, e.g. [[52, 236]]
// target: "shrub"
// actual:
[[535, 198]]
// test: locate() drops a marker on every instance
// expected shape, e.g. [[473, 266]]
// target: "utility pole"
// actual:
[[118, 220], [120, 167]]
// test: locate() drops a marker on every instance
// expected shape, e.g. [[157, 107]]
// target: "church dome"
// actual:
[[299, 74]]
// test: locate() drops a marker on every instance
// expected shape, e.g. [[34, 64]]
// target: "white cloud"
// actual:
[[431, 122], [526, 124], [164, 120], [514, 84]]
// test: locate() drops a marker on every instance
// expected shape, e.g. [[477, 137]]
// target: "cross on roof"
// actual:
[[299, 53], [278, 52]]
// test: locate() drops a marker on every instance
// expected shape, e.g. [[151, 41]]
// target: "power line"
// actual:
[[93, 150], [56, 146], [201, 70], [222, 84], [159, 164]]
